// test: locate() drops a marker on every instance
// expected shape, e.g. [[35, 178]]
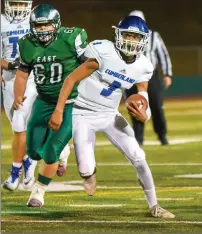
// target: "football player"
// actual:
[[110, 69], [14, 25], [54, 52]]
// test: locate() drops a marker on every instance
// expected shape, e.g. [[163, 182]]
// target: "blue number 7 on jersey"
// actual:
[[14, 41], [112, 87]]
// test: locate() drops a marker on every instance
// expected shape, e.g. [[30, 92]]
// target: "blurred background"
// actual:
[[179, 23]]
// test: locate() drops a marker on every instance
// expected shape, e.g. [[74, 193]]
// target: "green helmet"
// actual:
[[45, 14]]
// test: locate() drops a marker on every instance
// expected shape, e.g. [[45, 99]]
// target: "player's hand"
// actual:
[[138, 113], [167, 81], [18, 103], [56, 120], [14, 65]]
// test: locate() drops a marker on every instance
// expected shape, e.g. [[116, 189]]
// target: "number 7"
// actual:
[[14, 41]]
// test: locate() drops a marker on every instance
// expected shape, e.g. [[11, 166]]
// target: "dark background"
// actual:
[[178, 21]]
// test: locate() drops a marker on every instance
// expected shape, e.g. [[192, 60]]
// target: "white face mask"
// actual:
[[17, 11], [130, 47]]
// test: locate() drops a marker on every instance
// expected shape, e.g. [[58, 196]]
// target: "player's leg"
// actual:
[[84, 143], [50, 152], [22, 116], [62, 167], [156, 105], [122, 136], [18, 120]]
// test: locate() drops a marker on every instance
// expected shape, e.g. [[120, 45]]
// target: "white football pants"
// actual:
[[18, 118], [116, 129]]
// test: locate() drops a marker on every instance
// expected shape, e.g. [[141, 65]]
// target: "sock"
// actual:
[[146, 181], [65, 154], [44, 180], [18, 165], [151, 197]]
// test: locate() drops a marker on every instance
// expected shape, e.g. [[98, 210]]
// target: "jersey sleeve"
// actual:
[[95, 50], [25, 65], [146, 72], [81, 42]]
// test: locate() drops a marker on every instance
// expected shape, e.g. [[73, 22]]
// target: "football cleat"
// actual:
[[159, 212], [14, 179], [36, 198], [29, 168], [90, 184], [62, 166]]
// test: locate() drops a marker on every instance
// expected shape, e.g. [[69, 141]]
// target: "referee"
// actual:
[[157, 53]]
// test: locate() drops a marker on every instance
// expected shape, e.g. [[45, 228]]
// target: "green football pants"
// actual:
[[42, 142]]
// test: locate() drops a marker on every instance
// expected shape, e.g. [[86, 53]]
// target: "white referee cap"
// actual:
[[138, 13]]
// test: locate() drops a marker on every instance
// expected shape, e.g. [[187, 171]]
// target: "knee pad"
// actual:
[[86, 175], [19, 121]]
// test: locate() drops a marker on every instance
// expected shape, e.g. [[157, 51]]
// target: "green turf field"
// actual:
[[119, 205]]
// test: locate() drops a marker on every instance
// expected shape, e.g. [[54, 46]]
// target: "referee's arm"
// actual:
[[164, 60]]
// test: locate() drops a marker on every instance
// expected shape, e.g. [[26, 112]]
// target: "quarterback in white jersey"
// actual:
[[110, 69], [14, 25]]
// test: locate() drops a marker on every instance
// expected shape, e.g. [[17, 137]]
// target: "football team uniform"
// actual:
[[96, 107], [10, 34], [51, 65]]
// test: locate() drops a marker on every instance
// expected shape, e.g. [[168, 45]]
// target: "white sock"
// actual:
[[146, 180], [18, 165], [151, 197]]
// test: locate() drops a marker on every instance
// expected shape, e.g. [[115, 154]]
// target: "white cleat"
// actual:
[[90, 184], [13, 181], [159, 212], [29, 168], [36, 198], [62, 166]]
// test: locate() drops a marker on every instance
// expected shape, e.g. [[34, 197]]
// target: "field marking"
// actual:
[[102, 221], [96, 205], [23, 212], [77, 186], [189, 176], [103, 143]]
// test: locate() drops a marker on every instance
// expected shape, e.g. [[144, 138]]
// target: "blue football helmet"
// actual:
[[136, 25]]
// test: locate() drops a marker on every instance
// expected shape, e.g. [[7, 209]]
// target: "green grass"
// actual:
[[117, 185]]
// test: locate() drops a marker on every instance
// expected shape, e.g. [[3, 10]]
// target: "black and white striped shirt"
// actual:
[[157, 52]]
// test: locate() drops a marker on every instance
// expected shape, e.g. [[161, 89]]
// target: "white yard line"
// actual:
[[96, 205], [172, 142], [102, 221], [23, 212]]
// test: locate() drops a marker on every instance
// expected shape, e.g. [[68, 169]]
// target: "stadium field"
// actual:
[[119, 205]]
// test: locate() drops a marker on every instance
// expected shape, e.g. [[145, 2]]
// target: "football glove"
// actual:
[[14, 65]]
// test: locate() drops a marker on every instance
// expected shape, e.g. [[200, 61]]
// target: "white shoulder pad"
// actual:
[[145, 68], [98, 49]]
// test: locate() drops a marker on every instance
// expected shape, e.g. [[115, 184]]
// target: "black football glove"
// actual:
[[14, 65]]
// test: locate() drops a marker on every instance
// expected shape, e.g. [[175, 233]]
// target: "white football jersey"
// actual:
[[103, 90], [10, 34]]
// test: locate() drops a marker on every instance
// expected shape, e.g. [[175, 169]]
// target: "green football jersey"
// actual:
[[53, 63]]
